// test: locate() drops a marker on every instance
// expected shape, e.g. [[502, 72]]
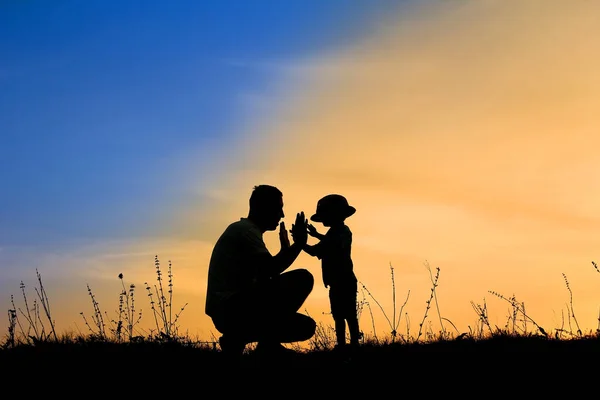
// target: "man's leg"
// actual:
[[241, 322], [284, 324], [268, 312], [295, 328], [290, 290], [287, 329]]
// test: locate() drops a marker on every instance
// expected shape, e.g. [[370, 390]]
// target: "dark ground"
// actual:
[[499, 348], [501, 366]]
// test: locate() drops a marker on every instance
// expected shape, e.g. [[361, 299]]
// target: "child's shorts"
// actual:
[[342, 299]]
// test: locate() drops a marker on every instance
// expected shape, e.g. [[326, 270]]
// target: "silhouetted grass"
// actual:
[[31, 335]]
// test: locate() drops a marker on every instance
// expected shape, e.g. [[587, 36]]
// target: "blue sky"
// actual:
[[101, 101]]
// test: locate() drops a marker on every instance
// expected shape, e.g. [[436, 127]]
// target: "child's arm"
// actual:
[[310, 250], [313, 250], [312, 231]]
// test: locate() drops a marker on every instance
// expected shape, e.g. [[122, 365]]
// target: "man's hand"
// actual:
[[299, 229], [287, 255], [283, 236]]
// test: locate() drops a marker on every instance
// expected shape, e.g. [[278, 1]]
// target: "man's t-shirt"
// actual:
[[233, 263]]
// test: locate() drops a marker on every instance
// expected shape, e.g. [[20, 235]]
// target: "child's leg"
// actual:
[[336, 299], [352, 316], [340, 331], [354, 330]]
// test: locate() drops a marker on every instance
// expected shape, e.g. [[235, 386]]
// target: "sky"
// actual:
[[463, 132]]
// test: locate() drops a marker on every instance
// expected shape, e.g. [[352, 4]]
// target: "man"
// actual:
[[249, 296]]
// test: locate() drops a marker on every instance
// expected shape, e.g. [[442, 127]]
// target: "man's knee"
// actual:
[[311, 327], [301, 278], [306, 327]]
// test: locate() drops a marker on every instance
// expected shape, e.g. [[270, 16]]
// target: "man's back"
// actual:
[[232, 264]]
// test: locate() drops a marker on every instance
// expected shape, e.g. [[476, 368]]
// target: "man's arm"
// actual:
[[287, 255], [284, 259]]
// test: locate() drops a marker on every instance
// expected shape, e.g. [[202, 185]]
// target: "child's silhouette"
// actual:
[[334, 250]]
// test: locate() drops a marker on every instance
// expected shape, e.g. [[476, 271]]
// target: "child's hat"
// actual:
[[335, 204]]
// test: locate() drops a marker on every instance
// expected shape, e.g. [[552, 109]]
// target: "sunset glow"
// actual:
[[464, 133]]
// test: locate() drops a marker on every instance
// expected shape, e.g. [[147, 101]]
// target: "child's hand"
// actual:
[[299, 232], [312, 231]]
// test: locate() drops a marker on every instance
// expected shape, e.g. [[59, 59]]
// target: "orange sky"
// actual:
[[465, 136]]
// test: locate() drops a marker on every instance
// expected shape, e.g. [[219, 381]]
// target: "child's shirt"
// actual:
[[334, 251]]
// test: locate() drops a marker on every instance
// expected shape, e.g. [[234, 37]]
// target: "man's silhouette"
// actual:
[[249, 296]]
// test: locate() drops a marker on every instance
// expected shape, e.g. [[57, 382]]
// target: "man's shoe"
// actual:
[[231, 346], [273, 349]]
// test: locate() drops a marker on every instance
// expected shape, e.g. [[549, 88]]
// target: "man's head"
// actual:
[[266, 207]]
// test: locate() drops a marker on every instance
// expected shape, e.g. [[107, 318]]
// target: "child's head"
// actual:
[[331, 209]]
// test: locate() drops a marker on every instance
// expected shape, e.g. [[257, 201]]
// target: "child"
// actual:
[[334, 251]]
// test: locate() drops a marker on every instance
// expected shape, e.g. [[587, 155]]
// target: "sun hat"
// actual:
[[332, 204]]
